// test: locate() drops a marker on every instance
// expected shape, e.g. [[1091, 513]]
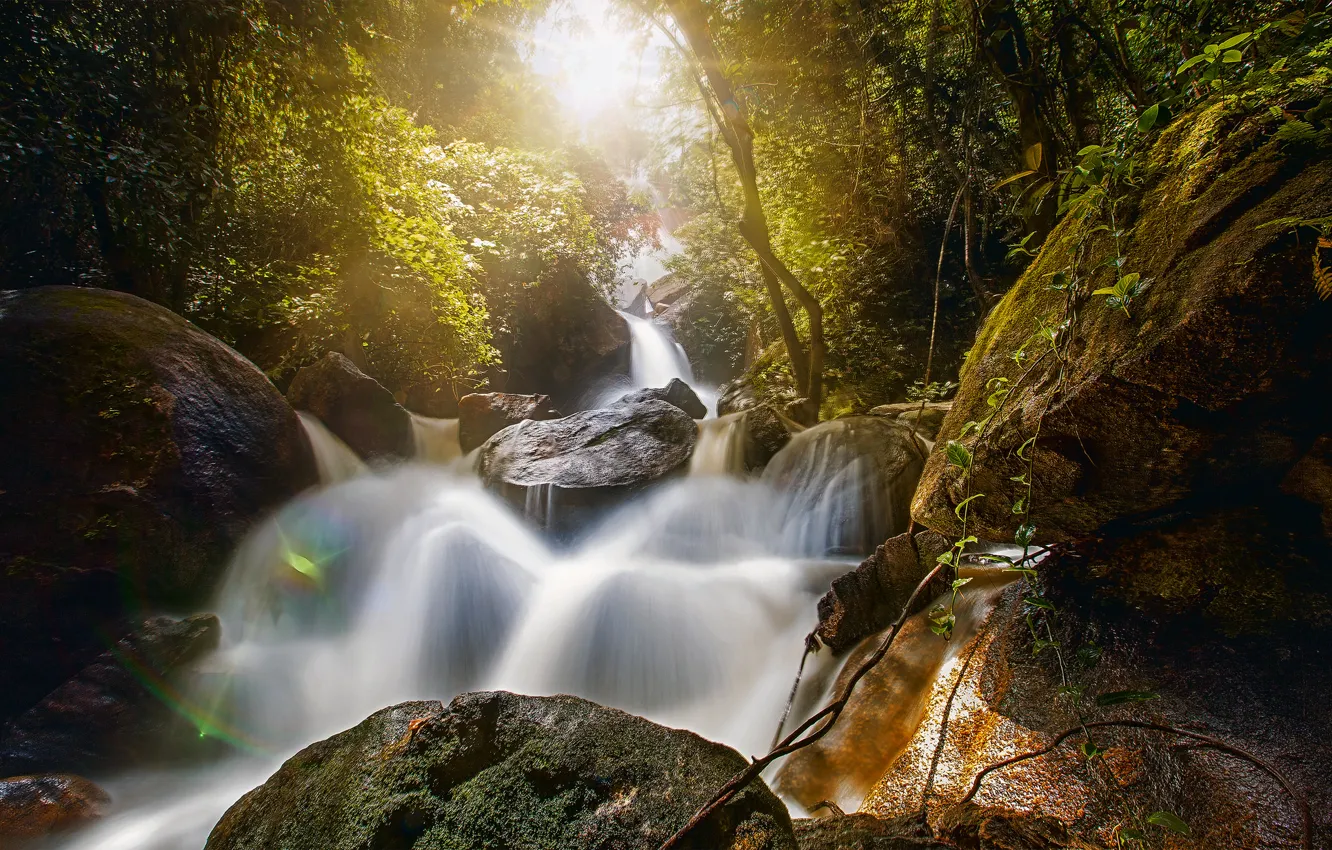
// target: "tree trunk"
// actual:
[[728, 113]]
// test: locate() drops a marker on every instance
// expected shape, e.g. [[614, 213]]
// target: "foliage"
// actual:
[[268, 171]]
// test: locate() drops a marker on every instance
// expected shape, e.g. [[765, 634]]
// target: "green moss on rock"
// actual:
[[498, 770]]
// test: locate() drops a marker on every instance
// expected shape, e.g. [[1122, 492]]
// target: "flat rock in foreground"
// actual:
[[497, 770]]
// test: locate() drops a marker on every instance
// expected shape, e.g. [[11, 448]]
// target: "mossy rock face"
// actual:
[[137, 451], [498, 770], [355, 407], [1210, 391]]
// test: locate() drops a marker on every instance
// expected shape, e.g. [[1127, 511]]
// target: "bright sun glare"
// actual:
[[594, 63]]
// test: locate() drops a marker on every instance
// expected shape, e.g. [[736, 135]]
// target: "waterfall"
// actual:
[[654, 360], [436, 439], [720, 449], [416, 583], [333, 458]]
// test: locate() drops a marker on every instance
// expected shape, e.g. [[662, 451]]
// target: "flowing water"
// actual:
[[688, 606], [654, 360]]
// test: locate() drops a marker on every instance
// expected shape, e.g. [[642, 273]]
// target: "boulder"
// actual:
[[848, 484], [138, 451], [112, 714], [482, 415], [436, 399], [677, 392], [735, 396], [1311, 480], [871, 596], [502, 770], [355, 407], [926, 422], [564, 339], [565, 471], [766, 433], [1265, 696], [864, 832], [1207, 394], [37, 807]]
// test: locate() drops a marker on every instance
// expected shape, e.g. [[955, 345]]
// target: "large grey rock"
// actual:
[[109, 716], [355, 407], [677, 392], [564, 471], [504, 771], [138, 450], [926, 421], [482, 415]]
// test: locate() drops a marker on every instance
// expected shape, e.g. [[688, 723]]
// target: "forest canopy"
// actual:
[[384, 177]]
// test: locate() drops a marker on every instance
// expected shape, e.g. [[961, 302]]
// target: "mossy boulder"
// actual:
[[1210, 391], [138, 450], [503, 771], [355, 407]]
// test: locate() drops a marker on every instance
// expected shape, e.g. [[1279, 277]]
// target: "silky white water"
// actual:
[[689, 607], [654, 360]]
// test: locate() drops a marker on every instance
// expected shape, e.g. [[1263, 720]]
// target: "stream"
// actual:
[[688, 606]]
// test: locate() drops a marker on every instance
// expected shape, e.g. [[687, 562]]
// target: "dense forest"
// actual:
[[965, 360]]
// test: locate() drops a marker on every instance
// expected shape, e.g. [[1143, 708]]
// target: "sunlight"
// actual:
[[593, 61]]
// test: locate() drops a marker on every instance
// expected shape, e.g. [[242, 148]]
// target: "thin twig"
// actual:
[[1301, 804]]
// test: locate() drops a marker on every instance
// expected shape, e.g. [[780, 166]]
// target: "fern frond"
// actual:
[[1322, 276]]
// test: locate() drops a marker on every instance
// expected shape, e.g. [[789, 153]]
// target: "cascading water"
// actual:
[[654, 361], [334, 460], [720, 449], [436, 439]]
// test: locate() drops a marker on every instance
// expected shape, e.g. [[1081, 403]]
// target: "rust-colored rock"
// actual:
[[35, 807]]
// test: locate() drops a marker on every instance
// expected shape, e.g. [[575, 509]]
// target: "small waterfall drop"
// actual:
[[436, 439], [333, 458], [654, 360], [720, 449]]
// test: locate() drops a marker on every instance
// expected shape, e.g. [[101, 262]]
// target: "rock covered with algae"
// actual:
[[495, 769]]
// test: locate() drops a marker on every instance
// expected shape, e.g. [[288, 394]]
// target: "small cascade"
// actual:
[[654, 358], [720, 449], [334, 459], [436, 439], [848, 483]]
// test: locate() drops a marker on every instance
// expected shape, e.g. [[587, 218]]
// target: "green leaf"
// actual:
[[1230, 57], [962, 504], [1091, 751], [1190, 62], [995, 558], [958, 582], [1147, 120], [1024, 534], [1032, 156], [1123, 697], [1236, 41], [1170, 821], [1013, 178], [958, 455], [1039, 602], [1089, 654], [1026, 572]]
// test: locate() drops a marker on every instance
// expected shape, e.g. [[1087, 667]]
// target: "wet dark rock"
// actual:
[[570, 469], [926, 422], [35, 807], [436, 399], [677, 392], [502, 770], [565, 338], [482, 415], [871, 596], [138, 451], [108, 716], [863, 832], [1311, 480], [355, 407], [767, 433]]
